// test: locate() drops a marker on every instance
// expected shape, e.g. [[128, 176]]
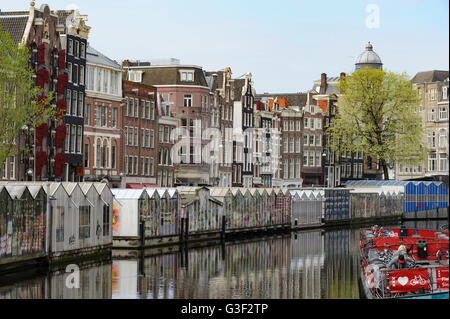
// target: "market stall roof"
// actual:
[[127, 193]]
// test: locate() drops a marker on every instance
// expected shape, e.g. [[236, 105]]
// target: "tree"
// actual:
[[23, 106], [377, 113]]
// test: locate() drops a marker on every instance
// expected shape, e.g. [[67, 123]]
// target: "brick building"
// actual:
[[140, 125], [40, 30], [74, 44], [187, 94]]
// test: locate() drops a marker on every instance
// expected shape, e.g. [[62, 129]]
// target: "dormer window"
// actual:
[[187, 75], [135, 76]]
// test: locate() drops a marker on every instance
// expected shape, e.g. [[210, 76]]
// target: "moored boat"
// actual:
[[404, 263]]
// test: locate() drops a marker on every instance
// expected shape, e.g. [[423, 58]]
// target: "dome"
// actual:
[[368, 58]]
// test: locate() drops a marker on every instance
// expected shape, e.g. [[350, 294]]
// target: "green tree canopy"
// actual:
[[377, 113], [20, 109]]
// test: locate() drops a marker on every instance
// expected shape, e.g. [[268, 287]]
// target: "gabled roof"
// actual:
[[14, 24], [16, 191], [430, 76], [297, 99], [128, 193], [96, 57], [170, 75]]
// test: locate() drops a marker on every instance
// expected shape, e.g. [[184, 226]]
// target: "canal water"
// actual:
[[314, 264]]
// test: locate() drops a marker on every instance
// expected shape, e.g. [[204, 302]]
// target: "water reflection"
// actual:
[[313, 264], [308, 265]]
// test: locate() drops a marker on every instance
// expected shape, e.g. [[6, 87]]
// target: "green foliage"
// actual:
[[19, 106], [377, 114]]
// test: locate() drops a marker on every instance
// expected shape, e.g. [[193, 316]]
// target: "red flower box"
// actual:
[[41, 54], [61, 108], [62, 59], [60, 160], [60, 135]]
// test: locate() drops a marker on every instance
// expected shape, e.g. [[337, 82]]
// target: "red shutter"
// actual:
[[63, 80]]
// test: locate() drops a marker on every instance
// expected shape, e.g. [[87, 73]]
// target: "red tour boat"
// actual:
[[404, 263]]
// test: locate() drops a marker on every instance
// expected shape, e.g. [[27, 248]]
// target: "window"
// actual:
[[90, 78], [75, 73], [85, 222], [443, 162], [311, 158], [67, 139], [318, 158], [152, 138], [305, 158], [69, 100], [104, 156], [98, 115], [305, 139], [147, 110], [79, 138], [113, 82], [59, 223], [104, 116], [12, 163], [311, 124], [87, 114], [136, 108], [70, 47], [166, 134], [360, 170], [146, 166], [135, 165], [305, 122], [285, 169], [82, 74], [106, 220], [142, 166], [432, 162], [80, 104], [187, 76], [136, 137], [105, 80], [442, 138], [86, 155], [82, 50], [319, 124], [114, 117], [291, 168], [311, 140], [432, 115], [187, 100], [297, 144], [297, 167], [291, 125], [113, 156], [318, 140], [432, 94], [130, 165], [75, 48], [297, 126], [73, 138], [443, 115], [285, 145], [74, 103], [444, 93], [152, 166], [97, 79], [98, 155], [291, 145]]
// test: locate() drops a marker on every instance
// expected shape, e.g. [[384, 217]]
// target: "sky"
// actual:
[[285, 44]]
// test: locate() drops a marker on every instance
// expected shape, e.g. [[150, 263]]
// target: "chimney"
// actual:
[[126, 63], [341, 77], [323, 83]]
